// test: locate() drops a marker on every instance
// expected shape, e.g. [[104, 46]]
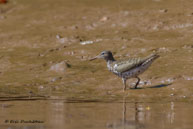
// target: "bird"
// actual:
[[127, 68]]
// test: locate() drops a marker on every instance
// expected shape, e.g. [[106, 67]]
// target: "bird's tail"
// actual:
[[151, 58]]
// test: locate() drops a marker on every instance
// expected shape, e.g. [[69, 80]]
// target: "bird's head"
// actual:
[[107, 55]]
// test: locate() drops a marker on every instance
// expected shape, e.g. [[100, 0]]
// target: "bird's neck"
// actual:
[[109, 63], [110, 59]]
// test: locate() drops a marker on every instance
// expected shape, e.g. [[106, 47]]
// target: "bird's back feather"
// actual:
[[128, 64]]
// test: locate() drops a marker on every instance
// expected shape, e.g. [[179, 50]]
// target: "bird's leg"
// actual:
[[138, 80], [124, 82]]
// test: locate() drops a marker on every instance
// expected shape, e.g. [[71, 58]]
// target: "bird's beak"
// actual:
[[94, 58]]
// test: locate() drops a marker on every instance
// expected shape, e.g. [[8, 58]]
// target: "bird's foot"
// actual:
[[133, 88]]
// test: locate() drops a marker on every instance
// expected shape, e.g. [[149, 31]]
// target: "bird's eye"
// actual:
[[102, 53]]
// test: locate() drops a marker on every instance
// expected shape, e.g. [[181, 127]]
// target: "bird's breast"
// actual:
[[113, 68]]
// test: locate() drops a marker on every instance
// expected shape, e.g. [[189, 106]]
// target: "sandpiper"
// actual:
[[128, 68]]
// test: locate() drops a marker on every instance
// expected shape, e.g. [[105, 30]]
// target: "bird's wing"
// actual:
[[128, 64], [125, 65]]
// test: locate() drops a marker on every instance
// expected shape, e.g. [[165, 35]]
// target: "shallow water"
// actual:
[[92, 115]]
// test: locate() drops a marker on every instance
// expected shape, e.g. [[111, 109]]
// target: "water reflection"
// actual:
[[171, 114], [142, 115], [131, 123], [92, 115]]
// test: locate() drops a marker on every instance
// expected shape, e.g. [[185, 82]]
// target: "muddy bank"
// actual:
[[46, 44]]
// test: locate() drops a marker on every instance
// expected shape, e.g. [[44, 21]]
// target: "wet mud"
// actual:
[[46, 45], [46, 75]]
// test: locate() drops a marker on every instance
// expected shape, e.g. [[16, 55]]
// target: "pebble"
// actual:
[[163, 10], [90, 41], [86, 42], [89, 27], [63, 40], [173, 88], [178, 26], [103, 19], [59, 67], [98, 40], [41, 87], [148, 82], [41, 55], [56, 79], [169, 80], [163, 49], [188, 78], [58, 36], [187, 46], [74, 27]]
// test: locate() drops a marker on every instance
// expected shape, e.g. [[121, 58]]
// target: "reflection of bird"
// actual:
[[129, 68], [137, 121]]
